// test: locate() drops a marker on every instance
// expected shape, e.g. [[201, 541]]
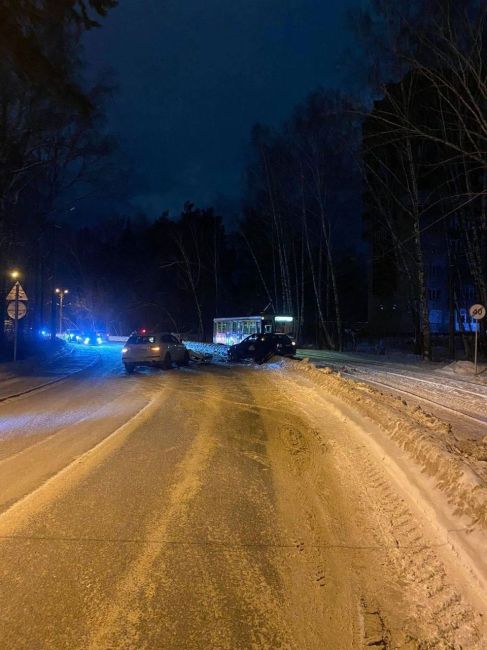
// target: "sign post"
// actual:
[[16, 321], [477, 312], [16, 310]]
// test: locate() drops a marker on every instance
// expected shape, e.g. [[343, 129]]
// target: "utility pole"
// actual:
[[16, 320], [451, 311], [61, 293]]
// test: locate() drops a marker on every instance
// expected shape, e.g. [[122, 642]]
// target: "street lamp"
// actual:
[[61, 293], [15, 275]]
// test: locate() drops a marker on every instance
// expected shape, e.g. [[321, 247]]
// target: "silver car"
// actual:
[[160, 350]]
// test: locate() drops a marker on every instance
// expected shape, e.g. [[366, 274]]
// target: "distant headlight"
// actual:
[[87, 340], [98, 340], [155, 348], [293, 343], [124, 350]]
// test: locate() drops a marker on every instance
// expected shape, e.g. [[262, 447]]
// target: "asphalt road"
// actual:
[[213, 506]]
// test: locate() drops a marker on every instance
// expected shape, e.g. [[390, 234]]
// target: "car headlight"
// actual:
[[124, 350], [293, 343], [87, 340], [155, 348], [98, 340]]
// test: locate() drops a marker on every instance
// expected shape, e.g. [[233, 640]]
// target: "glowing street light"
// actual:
[[14, 274], [61, 293]]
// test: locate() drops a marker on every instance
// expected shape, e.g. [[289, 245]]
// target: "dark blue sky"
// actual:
[[194, 76]]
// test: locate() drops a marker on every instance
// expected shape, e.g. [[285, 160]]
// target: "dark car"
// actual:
[[261, 347], [73, 335], [91, 338]]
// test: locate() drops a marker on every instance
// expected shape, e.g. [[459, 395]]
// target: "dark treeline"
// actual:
[[52, 146], [425, 159], [408, 159]]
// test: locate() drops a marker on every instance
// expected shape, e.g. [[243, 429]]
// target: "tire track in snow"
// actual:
[[125, 611], [409, 551]]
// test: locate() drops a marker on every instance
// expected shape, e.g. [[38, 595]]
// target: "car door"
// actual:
[[178, 349], [248, 345], [173, 347]]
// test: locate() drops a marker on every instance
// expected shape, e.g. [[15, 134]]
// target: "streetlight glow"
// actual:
[[14, 274], [61, 293]]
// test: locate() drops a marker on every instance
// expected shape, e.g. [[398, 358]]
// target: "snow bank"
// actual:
[[466, 369], [458, 467]]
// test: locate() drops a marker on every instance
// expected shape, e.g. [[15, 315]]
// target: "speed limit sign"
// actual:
[[477, 312]]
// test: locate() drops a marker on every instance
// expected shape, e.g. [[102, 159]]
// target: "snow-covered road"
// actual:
[[222, 506]]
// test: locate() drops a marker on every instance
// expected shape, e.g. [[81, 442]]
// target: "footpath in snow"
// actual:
[[449, 390]]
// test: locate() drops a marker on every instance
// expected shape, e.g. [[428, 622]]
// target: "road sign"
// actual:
[[13, 293], [22, 310], [477, 311]]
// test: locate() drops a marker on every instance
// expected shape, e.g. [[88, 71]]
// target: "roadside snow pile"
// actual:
[[218, 351], [458, 467], [466, 369], [276, 362]]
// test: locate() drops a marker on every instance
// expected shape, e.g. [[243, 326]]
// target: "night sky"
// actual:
[[193, 77]]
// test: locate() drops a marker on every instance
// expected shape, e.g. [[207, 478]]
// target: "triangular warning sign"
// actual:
[[13, 293]]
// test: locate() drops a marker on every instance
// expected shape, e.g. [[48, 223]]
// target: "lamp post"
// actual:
[[61, 293], [15, 275]]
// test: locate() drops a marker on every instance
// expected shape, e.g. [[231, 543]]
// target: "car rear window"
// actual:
[[139, 339]]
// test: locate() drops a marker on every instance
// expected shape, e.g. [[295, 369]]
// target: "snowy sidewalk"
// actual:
[[450, 390], [33, 373]]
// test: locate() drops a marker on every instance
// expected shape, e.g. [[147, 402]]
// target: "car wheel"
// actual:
[[129, 367], [167, 362], [185, 361]]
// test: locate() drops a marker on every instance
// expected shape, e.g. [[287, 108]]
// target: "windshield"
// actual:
[[139, 339]]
